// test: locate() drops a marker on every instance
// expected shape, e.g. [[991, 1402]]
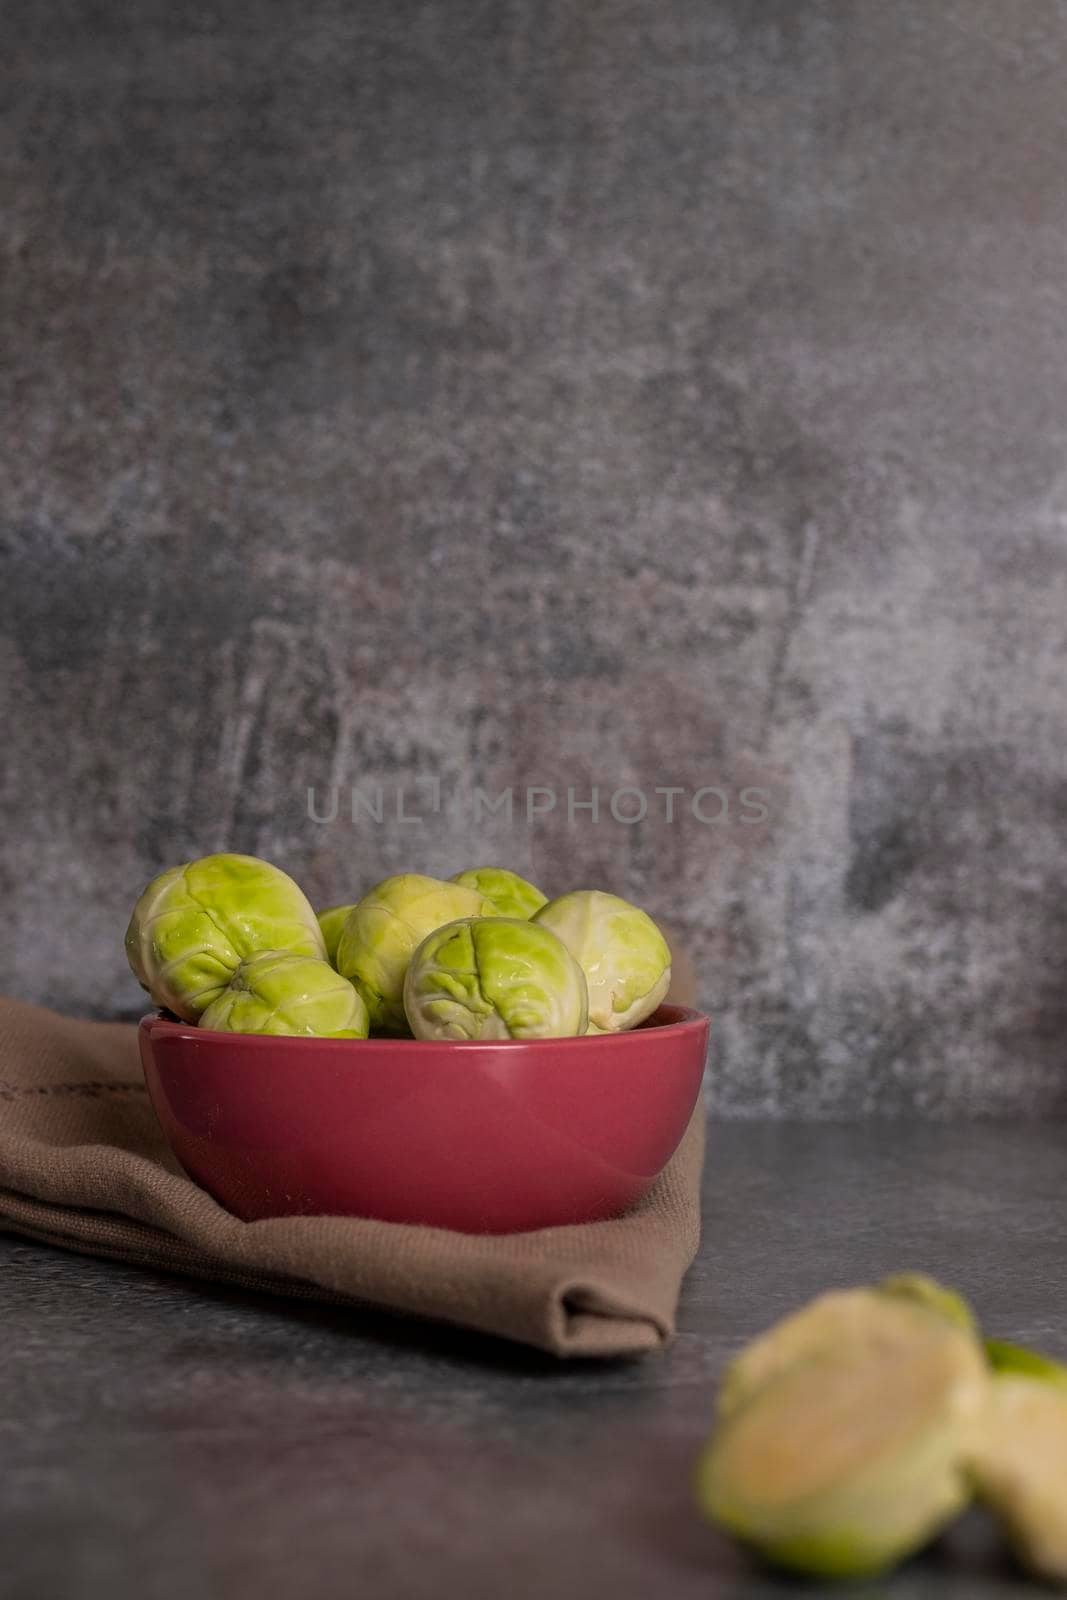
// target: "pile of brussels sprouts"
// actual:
[[232, 943]]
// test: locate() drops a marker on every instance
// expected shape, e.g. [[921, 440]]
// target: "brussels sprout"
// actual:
[[1019, 1467], [624, 956], [842, 1450], [331, 921], [494, 978], [511, 895], [385, 929], [195, 923], [275, 991]]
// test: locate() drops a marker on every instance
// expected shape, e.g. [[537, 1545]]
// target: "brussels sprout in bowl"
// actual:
[[332, 921], [494, 978], [511, 895], [527, 1084], [625, 958], [384, 930], [278, 992], [194, 924]]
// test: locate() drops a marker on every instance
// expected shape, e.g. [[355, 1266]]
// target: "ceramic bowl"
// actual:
[[484, 1138]]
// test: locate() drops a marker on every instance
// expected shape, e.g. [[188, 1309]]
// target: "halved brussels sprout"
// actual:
[[331, 921], [511, 895], [625, 958], [841, 1450], [275, 991], [384, 930], [195, 923], [494, 978], [1019, 1467]]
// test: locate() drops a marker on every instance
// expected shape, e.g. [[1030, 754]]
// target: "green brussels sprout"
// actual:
[[494, 978], [195, 923], [331, 921], [1019, 1466], [841, 1448], [275, 991], [511, 895], [625, 958], [385, 929]]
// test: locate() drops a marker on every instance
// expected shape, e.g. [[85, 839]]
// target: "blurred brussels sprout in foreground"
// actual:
[[195, 923], [331, 921], [625, 958], [275, 991], [1019, 1467], [494, 978], [841, 1445], [384, 930], [511, 895]]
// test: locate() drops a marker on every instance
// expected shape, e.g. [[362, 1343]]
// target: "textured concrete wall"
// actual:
[[647, 392]]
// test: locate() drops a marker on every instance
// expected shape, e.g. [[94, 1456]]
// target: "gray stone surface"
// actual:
[[640, 392], [161, 1439]]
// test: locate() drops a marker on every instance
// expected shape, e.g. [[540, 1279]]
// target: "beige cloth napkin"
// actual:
[[83, 1165]]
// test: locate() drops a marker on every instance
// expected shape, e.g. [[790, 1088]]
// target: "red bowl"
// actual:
[[485, 1138]]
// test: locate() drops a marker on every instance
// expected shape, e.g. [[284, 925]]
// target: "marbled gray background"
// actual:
[[652, 392]]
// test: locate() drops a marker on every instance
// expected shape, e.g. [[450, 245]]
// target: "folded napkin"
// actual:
[[83, 1165]]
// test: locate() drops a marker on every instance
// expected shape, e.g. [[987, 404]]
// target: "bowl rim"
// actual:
[[687, 1020]]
